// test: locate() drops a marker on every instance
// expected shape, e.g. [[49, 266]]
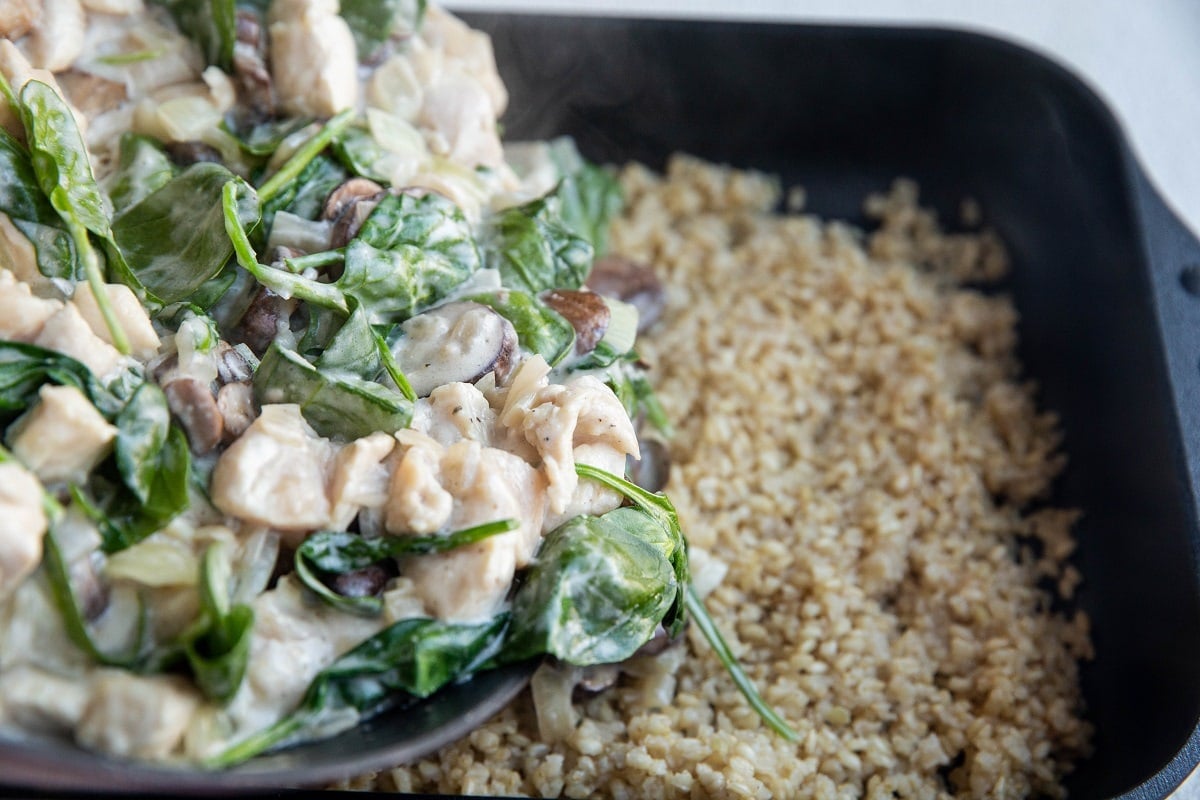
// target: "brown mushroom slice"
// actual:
[[267, 315], [587, 312], [348, 206], [187, 153], [193, 405], [632, 282], [365, 582], [250, 65], [653, 469], [457, 342]]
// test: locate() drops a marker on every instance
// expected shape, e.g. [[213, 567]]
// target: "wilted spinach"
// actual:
[[373, 22], [338, 552], [335, 404], [540, 329], [142, 429], [534, 250], [24, 368], [358, 151], [636, 393], [174, 240], [589, 196], [304, 155], [411, 659], [217, 645], [305, 196], [429, 221], [142, 169], [211, 24], [594, 595], [263, 139], [22, 200]]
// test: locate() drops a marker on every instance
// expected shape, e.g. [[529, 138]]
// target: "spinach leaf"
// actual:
[[261, 140], [342, 405], [358, 151], [412, 658], [174, 240], [373, 22], [534, 250], [122, 518], [142, 428], [589, 196], [540, 329], [64, 172], [636, 393], [393, 285], [211, 24], [30, 212], [339, 552], [305, 196], [305, 155], [594, 595], [142, 169], [353, 349], [429, 221], [25, 367], [217, 646]]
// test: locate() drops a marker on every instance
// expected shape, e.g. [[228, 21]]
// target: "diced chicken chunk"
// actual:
[[485, 485], [417, 503], [464, 51], [68, 332], [314, 61], [293, 640], [136, 716], [359, 479], [129, 312], [22, 526], [453, 412], [275, 473], [57, 37], [38, 700], [22, 315], [458, 113], [62, 437], [561, 418]]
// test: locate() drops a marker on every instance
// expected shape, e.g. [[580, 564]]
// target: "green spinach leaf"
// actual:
[[21, 198], [211, 24], [589, 196], [174, 240], [412, 658], [25, 367], [217, 646], [142, 428], [305, 196], [534, 250], [142, 169], [429, 221], [342, 405]]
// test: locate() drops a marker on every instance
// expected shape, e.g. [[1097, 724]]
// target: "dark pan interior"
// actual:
[[845, 110]]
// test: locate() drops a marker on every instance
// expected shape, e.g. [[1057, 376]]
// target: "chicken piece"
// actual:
[[136, 716], [461, 123], [22, 316], [453, 412], [120, 7], [465, 51], [56, 39], [561, 418], [274, 474], [417, 503], [17, 18], [18, 71], [22, 526], [134, 320], [485, 485], [67, 332], [293, 640], [38, 700], [62, 437], [313, 57], [359, 478]]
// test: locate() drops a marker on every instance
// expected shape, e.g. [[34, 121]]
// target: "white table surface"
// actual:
[[1141, 56]]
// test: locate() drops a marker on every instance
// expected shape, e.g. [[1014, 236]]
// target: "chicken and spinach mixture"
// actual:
[[308, 405]]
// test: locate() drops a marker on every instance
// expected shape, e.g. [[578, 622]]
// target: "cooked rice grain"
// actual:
[[855, 442]]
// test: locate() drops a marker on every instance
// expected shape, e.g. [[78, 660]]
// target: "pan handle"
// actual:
[[1173, 254]]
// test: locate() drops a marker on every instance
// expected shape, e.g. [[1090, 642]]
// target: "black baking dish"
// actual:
[[1108, 330], [1101, 277]]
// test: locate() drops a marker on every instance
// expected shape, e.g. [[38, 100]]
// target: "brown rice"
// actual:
[[855, 441]]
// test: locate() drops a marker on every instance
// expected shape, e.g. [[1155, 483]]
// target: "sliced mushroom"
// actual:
[[233, 363], [193, 405], [365, 582], [348, 206], [457, 342], [267, 315], [235, 402], [587, 312], [632, 282], [653, 470], [250, 65], [90, 591], [187, 153]]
